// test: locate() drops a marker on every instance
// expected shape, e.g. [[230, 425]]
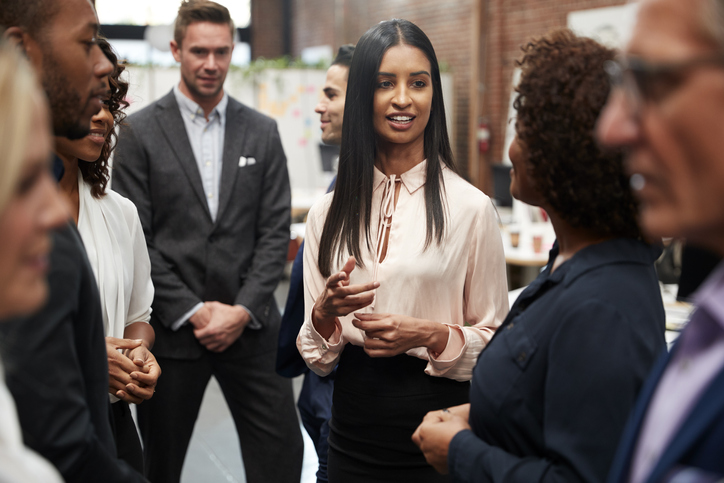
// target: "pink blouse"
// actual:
[[460, 282]]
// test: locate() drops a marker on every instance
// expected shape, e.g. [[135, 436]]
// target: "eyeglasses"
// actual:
[[645, 82]]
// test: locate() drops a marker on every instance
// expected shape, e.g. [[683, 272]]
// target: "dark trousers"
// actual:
[[261, 403], [315, 409], [128, 445]]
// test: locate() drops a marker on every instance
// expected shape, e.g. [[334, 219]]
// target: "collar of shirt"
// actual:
[[58, 168], [615, 250], [709, 296], [706, 324], [412, 179], [609, 252], [195, 112]]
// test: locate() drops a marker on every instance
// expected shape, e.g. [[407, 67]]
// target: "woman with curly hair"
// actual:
[[553, 389], [113, 237]]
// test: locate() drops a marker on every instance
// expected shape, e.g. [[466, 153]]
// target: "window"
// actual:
[[161, 12], [125, 24]]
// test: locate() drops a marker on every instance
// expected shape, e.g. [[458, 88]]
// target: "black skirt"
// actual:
[[378, 403]]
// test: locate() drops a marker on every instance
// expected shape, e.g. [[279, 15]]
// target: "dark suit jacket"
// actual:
[[315, 398], [57, 371], [289, 361], [699, 443], [552, 391], [239, 258]]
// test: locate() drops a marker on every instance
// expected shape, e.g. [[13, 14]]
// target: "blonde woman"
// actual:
[[29, 208]]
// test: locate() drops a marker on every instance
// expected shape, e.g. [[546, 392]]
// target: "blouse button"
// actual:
[[324, 346], [510, 326]]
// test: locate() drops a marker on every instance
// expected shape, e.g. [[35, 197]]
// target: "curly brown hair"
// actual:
[[96, 173], [562, 90]]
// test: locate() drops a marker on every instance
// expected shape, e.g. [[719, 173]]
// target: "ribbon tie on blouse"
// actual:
[[385, 222]]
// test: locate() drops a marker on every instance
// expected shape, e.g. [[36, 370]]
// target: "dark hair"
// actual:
[[96, 173], [31, 15], [562, 89], [344, 55], [352, 199], [192, 11]]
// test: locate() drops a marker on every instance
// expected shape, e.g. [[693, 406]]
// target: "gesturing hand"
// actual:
[[226, 324], [339, 298], [388, 335], [437, 429]]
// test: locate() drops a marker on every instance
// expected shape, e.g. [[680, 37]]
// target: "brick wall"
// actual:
[[267, 28], [313, 23], [509, 24]]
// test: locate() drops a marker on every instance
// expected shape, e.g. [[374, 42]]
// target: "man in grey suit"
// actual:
[[208, 176]]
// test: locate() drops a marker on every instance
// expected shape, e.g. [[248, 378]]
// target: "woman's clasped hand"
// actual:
[[438, 428], [388, 335], [132, 369]]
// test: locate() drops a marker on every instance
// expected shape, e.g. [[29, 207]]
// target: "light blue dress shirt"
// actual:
[[207, 142]]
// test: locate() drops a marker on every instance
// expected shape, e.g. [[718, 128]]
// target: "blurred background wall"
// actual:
[[477, 43]]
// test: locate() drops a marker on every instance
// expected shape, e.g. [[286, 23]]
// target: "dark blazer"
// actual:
[[315, 398], [289, 361], [699, 443], [57, 371], [237, 259], [552, 391]]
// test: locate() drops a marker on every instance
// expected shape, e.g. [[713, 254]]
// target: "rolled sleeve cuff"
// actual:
[[319, 353], [181, 321], [455, 361]]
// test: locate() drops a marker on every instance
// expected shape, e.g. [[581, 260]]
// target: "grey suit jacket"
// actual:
[[239, 258]]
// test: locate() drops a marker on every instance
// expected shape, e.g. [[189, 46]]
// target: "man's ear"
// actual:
[[18, 37], [15, 35], [29, 46], [175, 50]]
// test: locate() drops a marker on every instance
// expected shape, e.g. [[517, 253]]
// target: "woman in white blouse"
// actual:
[[404, 268], [30, 207], [113, 237]]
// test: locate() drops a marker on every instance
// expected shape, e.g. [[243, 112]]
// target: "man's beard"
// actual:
[[66, 105], [196, 92]]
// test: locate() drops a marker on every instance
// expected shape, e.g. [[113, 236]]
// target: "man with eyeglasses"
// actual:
[[667, 110]]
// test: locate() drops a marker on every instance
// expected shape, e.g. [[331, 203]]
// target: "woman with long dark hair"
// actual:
[[404, 267], [552, 391], [113, 237]]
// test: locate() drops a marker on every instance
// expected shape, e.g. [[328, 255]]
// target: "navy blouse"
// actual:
[[552, 391]]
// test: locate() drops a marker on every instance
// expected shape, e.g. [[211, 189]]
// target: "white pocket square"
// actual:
[[244, 161]]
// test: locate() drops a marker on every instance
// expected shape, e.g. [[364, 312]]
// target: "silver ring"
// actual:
[[445, 410]]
